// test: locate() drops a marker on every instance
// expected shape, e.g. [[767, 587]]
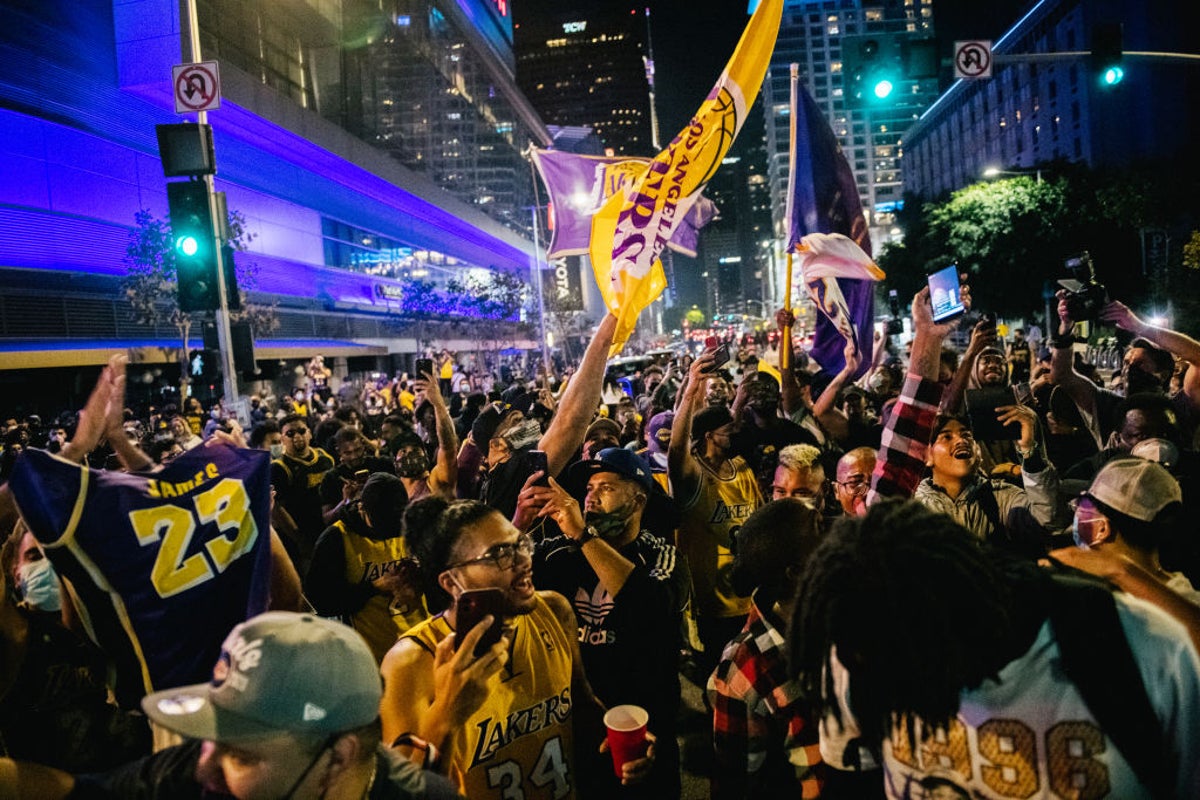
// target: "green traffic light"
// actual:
[[187, 245], [1112, 76], [883, 88]]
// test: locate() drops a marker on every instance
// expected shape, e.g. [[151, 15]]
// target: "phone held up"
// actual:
[[537, 461], [720, 351], [470, 608], [945, 295], [424, 367]]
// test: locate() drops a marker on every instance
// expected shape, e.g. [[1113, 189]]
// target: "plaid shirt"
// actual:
[[757, 719], [906, 440]]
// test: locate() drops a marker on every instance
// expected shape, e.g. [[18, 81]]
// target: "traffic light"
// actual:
[[195, 256], [872, 69], [1107, 47]]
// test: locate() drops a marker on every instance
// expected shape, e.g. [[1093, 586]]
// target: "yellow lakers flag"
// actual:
[[632, 227]]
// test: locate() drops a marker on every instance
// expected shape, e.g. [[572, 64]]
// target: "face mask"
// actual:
[[523, 434], [609, 524], [277, 451], [39, 585], [413, 464]]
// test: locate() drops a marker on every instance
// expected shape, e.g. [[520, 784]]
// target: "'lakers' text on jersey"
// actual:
[[160, 566], [519, 742]]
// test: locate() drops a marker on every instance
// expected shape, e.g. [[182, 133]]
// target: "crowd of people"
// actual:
[[937, 574]]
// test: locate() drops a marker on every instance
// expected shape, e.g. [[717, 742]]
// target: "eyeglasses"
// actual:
[[295, 432], [502, 555], [856, 484]]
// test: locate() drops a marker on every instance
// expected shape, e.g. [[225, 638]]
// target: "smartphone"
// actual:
[[537, 461], [424, 365], [720, 352], [471, 607], [1024, 394], [944, 294]]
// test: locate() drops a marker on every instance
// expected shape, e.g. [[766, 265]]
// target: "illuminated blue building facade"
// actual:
[[365, 143]]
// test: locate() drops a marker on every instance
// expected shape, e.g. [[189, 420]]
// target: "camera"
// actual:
[[894, 326], [1085, 295]]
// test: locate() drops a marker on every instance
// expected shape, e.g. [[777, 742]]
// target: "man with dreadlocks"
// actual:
[[946, 663]]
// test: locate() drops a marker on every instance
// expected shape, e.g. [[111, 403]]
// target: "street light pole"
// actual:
[[224, 336]]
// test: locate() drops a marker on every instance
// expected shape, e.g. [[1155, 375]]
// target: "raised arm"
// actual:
[[824, 403], [789, 388], [684, 470], [1177, 344], [906, 435], [578, 403], [982, 335], [443, 478], [1062, 363]]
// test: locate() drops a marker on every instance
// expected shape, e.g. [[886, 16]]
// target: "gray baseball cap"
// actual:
[[279, 672]]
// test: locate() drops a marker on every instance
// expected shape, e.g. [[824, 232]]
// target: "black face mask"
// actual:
[[1138, 380], [609, 524], [413, 464]]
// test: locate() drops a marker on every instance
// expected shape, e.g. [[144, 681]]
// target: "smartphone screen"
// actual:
[[537, 461], [944, 294], [471, 607], [424, 365]]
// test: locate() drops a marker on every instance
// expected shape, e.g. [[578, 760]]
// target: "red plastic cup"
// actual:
[[626, 734]]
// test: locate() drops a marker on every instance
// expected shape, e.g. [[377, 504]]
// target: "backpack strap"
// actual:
[[1097, 658]]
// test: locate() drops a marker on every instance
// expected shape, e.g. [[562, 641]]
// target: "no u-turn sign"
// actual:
[[197, 87]]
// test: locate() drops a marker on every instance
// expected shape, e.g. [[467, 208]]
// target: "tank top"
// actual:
[[709, 523], [382, 619], [519, 742]]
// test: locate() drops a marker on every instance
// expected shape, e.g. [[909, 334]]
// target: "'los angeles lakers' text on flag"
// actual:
[[634, 225], [836, 269], [841, 282], [579, 185]]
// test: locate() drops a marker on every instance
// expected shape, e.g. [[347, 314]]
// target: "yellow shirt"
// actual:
[[381, 621], [519, 742], [407, 400], [709, 522]]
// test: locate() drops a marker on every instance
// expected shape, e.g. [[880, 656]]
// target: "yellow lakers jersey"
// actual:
[[519, 742], [709, 522], [383, 618]]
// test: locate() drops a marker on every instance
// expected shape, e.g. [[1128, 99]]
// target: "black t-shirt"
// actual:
[[503, 484], [630, 643]]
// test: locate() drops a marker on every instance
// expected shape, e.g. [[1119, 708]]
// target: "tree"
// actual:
[[1013, 236], [149, 284]]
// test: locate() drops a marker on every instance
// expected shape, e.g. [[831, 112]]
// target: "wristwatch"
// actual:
[[588, 534]]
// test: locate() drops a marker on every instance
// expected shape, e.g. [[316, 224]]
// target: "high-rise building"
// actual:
[[871, 135], [372, 148], [590, 67], [1031, 113]]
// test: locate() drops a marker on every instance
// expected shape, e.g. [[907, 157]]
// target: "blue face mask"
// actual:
[[1075, 533], [276, 451], [39, 585]]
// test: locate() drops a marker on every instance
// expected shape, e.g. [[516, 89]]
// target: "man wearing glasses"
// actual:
[[504, 720], [296, 478], [854, 479]]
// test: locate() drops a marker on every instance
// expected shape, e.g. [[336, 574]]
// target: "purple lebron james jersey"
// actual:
[[160, 565]]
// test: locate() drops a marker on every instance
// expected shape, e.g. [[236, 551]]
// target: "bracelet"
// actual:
[[1024, 454], [1062, 341]]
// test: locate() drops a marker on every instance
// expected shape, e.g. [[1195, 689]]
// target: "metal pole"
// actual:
[[537, 268], [224, 336]]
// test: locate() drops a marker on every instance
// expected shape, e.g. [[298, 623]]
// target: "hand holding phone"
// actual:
[[470, 608], [945, 295], [424, 367], [537, 461]]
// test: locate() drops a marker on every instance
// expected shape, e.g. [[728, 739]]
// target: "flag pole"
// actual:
[[785, 334]]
